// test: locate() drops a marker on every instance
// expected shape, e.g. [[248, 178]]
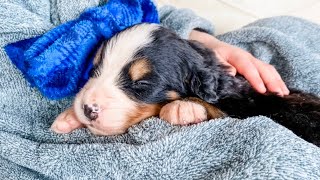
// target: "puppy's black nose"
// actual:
[[91, 111]]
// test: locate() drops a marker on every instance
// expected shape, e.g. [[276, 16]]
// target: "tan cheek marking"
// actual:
[[142, 112], [138, 69], [212, 111], [172, 95]]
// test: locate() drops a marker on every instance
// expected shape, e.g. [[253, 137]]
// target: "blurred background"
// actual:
[[228, 15]]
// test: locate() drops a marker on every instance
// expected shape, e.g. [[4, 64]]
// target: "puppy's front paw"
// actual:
[[182, 112], [66, 122]]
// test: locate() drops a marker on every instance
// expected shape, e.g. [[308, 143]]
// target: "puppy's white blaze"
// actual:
[[121, 49]]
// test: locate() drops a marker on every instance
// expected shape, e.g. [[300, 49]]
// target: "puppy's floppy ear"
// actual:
[[204, 84], [205, 73]]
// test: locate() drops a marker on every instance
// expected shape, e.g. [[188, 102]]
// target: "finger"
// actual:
[[270, 77], [284, 88], [231, 70], [281, 83], [246, 68]]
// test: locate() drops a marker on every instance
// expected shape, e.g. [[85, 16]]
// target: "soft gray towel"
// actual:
[[255, 148]]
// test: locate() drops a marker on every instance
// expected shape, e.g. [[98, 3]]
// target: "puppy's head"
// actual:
[[139, 70]]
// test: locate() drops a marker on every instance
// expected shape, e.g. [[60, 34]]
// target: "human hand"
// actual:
[[262, 76]]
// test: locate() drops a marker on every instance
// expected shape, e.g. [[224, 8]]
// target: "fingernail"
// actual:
[[262, 88], [286, 91], [279, 92]]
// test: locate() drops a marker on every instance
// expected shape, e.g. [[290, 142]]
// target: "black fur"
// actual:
[[299, 111], [190, 69]]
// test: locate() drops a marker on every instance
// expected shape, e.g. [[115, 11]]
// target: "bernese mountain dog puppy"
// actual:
[[147, 70]]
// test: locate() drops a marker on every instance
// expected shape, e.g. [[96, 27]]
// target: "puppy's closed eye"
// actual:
[[95, 71], [100, 54], [98, 61], [142, 83]]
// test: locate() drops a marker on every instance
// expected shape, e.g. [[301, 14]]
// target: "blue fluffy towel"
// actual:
[[58, 62]]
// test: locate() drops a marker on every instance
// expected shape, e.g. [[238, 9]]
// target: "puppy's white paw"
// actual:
[[182, 112], [66, 122]]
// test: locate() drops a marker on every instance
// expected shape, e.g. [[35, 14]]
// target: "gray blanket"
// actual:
[[254, 148]]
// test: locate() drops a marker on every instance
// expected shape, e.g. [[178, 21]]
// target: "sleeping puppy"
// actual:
[[158, 73]]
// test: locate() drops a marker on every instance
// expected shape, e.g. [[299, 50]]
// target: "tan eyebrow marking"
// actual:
[[139, 69]]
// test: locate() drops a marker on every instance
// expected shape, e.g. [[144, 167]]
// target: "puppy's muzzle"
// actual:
[[91, 111]]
